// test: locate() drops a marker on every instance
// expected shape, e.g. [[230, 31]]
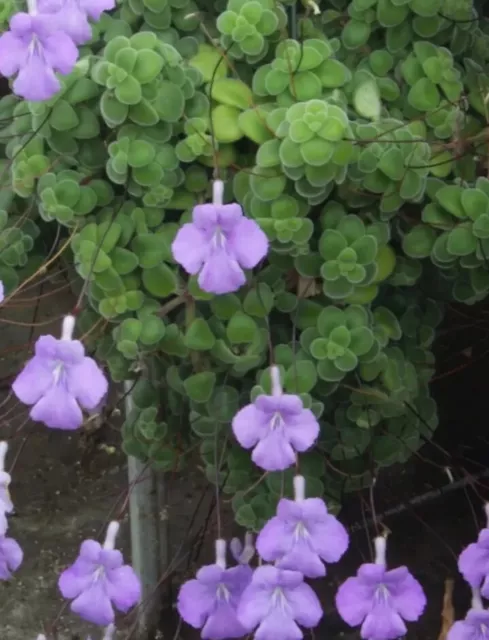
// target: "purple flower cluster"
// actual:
[[44, 42], [274, 601], [11, 554]]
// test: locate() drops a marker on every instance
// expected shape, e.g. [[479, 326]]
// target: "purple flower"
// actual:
[[11, 557], [276, 427], [72, 15], [302, 535], [209, 601], [99, 580], [218, 244], [59, 380], [473, 563], [276, 602], [380, 600], [474, 627], [34, 49], [2, 291]]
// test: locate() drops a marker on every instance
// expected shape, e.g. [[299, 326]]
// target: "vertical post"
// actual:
[[149, 537]]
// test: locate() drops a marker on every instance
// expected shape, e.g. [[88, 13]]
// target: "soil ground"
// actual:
[[66, 487]]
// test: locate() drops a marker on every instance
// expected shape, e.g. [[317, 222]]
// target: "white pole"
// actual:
[[149, 537]]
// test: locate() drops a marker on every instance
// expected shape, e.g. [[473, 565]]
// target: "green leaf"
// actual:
[[461, 241], [199, 388], [475, 202], [123, 260], [148, 65], [199, 336], [419, 242], [129, 91], [450, 198], [149, 249], [224, 404], [160, 281], [232, 92], [367, 100], [63, 116], [152, 330], [241, 329], [301, 377], [259, 301], [424, 95]]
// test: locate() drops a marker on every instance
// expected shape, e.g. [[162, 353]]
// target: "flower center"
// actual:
[[218, 239], [279, 600], [57, 372], [382, 594], [300, 531], [35, 48], [276, 422], [222, 592]]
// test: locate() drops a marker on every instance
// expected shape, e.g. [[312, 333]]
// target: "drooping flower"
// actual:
[[276, 427], [209, 601], [302, 535], [380, 600], [476, 623], [11, 556], [99, 580], [71, 16], [474, 627], [473, 562], [6, 505], [218, 244], [60, 380], [34, 48], [276, 602]]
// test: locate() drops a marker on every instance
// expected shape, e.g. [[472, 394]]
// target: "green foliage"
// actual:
[[355, 138]]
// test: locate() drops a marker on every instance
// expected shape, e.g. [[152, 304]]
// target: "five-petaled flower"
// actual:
[[302, 535], [35, 48], [380, 600], [218, 244], [276, 427], [276, 602], [99, 580], [60, 380], [209, 601]]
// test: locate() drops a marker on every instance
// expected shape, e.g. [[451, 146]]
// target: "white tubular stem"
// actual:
[[221, 553], [218, 192], [380, 544], [299, 488], [109, 632], [3, 454], [476, 602], [68, 328], [111, 535], [276, 384]]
